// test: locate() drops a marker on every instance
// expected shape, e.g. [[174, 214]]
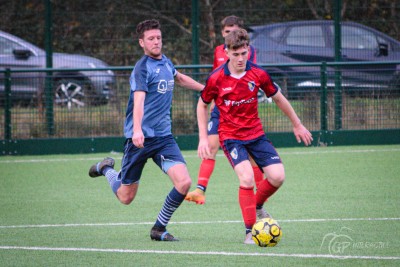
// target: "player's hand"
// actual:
[[138, 139], [203, 150], [302, 134]]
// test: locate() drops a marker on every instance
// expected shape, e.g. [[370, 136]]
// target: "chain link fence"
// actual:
[[78, 112]]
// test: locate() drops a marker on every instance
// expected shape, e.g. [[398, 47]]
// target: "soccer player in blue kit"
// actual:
[[148, 130]]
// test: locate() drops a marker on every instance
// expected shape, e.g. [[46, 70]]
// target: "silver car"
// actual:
[[75, 87]]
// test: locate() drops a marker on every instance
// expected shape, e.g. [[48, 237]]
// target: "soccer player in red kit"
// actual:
[[228, 24], [233, 87]]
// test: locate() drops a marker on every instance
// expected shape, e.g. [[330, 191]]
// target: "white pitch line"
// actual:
[[221, 253], [201, 222], [305, 152]]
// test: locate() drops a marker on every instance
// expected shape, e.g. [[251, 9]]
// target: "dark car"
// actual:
[[313, 41], [71, 88]]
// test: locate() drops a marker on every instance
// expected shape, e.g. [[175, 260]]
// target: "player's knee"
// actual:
[[125, 200], [214, 150], [246, 181], [277, 180]]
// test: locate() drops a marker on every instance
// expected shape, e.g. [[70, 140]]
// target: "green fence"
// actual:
[[83, 110]]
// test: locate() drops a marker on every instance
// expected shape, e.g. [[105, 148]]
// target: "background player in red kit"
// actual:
[[228, 24], [233, 87]]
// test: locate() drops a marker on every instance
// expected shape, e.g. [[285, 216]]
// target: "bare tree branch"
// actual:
[[393, 16], [313, 10], [209, 18], [344, 6], [215, 3], [156, 13]]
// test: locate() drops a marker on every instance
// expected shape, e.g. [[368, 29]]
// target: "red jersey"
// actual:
[[237, 102], [220, 55]]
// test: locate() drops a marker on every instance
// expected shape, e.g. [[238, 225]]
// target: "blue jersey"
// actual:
[[156, 78]]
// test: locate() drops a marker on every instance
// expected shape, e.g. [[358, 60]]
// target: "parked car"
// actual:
[[72, 88], [313, 41]]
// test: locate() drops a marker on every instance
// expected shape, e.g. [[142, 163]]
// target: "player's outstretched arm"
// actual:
[[300, 132], [187, 82]]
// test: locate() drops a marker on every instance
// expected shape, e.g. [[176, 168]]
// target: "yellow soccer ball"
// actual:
[[266, 232]]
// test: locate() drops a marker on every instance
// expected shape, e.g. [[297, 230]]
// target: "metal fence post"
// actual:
[[338, 99], [49, 74], [338, 58], [324, 98], [195, 47], [48, 90], [7, 105]]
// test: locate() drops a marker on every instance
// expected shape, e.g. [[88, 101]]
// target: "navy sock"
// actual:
[[112, 178], [172, 202]]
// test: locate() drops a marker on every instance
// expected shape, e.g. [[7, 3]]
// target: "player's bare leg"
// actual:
[[126, 193]]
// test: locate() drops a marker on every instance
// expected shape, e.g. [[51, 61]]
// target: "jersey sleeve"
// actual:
[[138, 79], [210, 90], [171, 66], [267, 85]]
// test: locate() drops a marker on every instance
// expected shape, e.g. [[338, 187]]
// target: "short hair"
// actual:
[[231, 21], [146, 25], [237, 39]]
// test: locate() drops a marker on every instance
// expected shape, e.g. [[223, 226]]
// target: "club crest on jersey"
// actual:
[[165, 86], [251, 85], [234, 153]]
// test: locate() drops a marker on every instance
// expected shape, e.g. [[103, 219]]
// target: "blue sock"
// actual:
[[172, 202], [112, 178]]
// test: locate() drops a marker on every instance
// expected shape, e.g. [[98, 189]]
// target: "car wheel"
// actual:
[[71, 93]]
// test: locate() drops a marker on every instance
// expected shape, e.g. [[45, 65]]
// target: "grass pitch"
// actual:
[[338, 206]]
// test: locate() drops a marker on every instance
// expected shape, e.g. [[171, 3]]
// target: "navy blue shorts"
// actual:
[[213, 124], [163, 150], [260, 149]]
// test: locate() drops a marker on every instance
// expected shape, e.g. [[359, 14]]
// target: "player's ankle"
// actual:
[[198, 190]]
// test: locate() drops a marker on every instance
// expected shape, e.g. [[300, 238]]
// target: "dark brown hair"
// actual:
[[231, 21], [151, 24]]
